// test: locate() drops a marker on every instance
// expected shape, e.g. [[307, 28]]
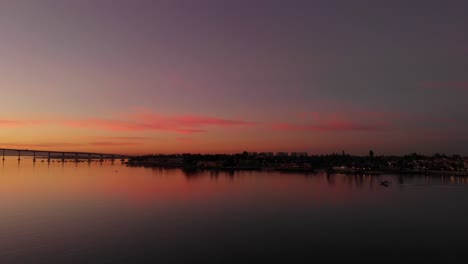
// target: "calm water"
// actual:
[[109, 213]]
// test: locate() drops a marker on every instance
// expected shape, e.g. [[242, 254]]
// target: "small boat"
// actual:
[[385, 183]]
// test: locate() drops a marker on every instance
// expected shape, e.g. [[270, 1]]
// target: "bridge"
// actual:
[[76, 155]]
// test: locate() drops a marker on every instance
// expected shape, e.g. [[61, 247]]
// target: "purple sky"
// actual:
[[226, 76]]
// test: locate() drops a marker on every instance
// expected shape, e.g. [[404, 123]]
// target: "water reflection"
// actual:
[[99, 212], [358, 180]]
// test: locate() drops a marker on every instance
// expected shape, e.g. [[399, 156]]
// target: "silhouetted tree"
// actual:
[[371, 154]]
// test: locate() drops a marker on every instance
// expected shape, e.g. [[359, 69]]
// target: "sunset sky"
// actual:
[[211, 76]]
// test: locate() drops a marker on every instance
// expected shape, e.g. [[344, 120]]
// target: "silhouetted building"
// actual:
[[298, 154], [282, 154]]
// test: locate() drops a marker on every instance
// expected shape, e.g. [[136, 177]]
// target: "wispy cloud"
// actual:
[[39, 145], [353, 119], [10, 123], [129, 126], [379, 116], [138, 122], [116, 138], [6, 123], [67, 145], [346, 118], [112, 144], [149, 121], [186, 121], [356, 119], [185, 139], [456, 85], [329, 126]]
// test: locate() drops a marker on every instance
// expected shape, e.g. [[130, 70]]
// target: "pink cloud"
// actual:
[[460, 85], [184, 121], [106, 124], [131, 126], [354, 119], [350, 113], [10, 123], [18, 123], [112, 144], [358, 115], [140, 121], [117, 138], [329, 126], [40, 145], [67, 145], [148, 121], [446, 120], [185, 139], [197, 121]]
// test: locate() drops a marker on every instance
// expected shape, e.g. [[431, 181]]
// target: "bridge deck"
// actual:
[[76, 153]]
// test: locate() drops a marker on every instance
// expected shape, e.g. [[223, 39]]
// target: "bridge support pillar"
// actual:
[[48, 157], [63, 157], [76, 157], [34, 156], [3, 153], [19, 154]]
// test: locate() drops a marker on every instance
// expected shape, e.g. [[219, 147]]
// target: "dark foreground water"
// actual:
[[109, 213]]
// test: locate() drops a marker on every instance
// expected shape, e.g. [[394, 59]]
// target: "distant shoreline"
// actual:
[[301, 162]]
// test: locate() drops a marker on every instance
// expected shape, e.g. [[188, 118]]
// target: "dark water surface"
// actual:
[[109, 213]]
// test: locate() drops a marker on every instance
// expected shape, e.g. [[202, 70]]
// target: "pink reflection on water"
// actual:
[[128, 186]]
